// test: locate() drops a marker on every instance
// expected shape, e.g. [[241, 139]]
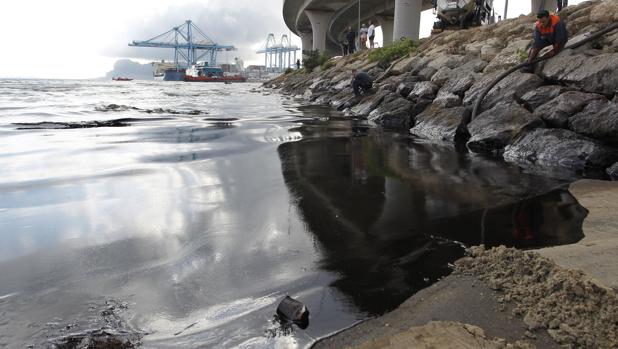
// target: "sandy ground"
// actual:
[[463, 311], [597, 253]]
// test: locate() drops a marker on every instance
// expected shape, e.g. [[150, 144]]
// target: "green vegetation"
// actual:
[[288, 71], [315, 59], [385, 55], [522, 55]]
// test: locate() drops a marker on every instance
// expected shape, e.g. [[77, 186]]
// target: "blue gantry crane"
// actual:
[[189, 43], [276, 53]]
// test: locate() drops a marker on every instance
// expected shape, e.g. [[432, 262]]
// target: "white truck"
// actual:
[[453, 14]]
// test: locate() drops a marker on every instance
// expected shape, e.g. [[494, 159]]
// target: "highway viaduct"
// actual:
[[321, 23]]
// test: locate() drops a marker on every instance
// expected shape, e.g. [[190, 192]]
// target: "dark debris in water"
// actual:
[[107, 330], [98, 339], [45, 125], [120, 107]]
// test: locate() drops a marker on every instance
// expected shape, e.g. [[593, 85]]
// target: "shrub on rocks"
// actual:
[[385, 55]]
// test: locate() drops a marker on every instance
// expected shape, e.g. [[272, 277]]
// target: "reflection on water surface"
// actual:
[[200, 224]]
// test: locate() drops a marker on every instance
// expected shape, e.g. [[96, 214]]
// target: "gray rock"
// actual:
[[407, 85], [447, 100], [369, 102], [427, 73], [512, 87], [594, 74], [344, 99], [394, 112], [598, 120], [612, 171], [442, 124], [425, 89], [449, 61], [559, 148], [459, 84], [496, 128], [542, 95], [556, 113], [442, 75]]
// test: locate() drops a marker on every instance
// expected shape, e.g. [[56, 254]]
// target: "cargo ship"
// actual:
[[204, 73]]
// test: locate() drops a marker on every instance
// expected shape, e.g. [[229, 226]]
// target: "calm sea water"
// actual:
[[183, 213]]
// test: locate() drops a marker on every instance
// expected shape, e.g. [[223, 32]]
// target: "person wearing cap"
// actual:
[[548, 31]]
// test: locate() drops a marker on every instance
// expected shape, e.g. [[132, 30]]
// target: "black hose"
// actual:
[[592, 37]]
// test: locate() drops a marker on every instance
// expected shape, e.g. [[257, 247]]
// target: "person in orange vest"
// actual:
[[548, 31]]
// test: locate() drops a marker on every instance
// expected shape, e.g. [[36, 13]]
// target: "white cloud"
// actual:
[[80, 39]]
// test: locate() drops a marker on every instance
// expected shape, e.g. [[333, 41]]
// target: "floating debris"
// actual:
[[291, 310]]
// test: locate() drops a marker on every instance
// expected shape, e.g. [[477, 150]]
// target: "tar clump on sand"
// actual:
[[575, 311]]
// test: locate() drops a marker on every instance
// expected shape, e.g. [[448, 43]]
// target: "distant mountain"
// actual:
[[130, 69]]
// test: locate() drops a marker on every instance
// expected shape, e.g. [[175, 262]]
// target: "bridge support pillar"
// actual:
[[307, 43], [319, 26], [387, 24], [539, 5], [407, 19]]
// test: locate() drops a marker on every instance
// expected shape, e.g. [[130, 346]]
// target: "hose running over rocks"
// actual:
[[596, 35]]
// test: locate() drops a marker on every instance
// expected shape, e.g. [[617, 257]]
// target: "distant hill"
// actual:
[[130, 69]]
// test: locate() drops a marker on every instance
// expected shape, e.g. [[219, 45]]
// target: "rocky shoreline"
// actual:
[[564, 116]]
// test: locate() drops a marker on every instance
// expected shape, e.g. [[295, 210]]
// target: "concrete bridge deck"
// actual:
[[321, 23]]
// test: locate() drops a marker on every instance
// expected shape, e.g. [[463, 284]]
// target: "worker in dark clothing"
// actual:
[[350, 36], [548, 31], [562, 4], [361, 81]]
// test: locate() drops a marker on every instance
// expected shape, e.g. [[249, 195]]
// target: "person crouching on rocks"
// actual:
[[548, 31], [361, 81]]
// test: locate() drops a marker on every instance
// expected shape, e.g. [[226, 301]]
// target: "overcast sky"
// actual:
[[83, 38]]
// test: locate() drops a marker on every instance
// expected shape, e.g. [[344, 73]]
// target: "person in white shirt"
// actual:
[[363, 37], [371, 32]]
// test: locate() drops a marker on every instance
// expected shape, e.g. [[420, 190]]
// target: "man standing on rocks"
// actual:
[[548, 31], [371, 32], [351, 38], [361, 81]]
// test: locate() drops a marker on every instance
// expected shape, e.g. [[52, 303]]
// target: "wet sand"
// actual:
[[466, 299]]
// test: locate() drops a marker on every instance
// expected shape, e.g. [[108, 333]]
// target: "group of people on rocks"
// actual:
[[366, 34], [549, 30]]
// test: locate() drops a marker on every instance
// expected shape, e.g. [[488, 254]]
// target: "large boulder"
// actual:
[[556, 113], [510, 56], [447, 100], [542, 95], [369, 102], [459, 84], [442, 124], [559, 148], [423, 90], [510, 88], [496, 128], [449, 61], [409, 64], [599, 120], [589, 73], [406, 85], [394, 112]]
